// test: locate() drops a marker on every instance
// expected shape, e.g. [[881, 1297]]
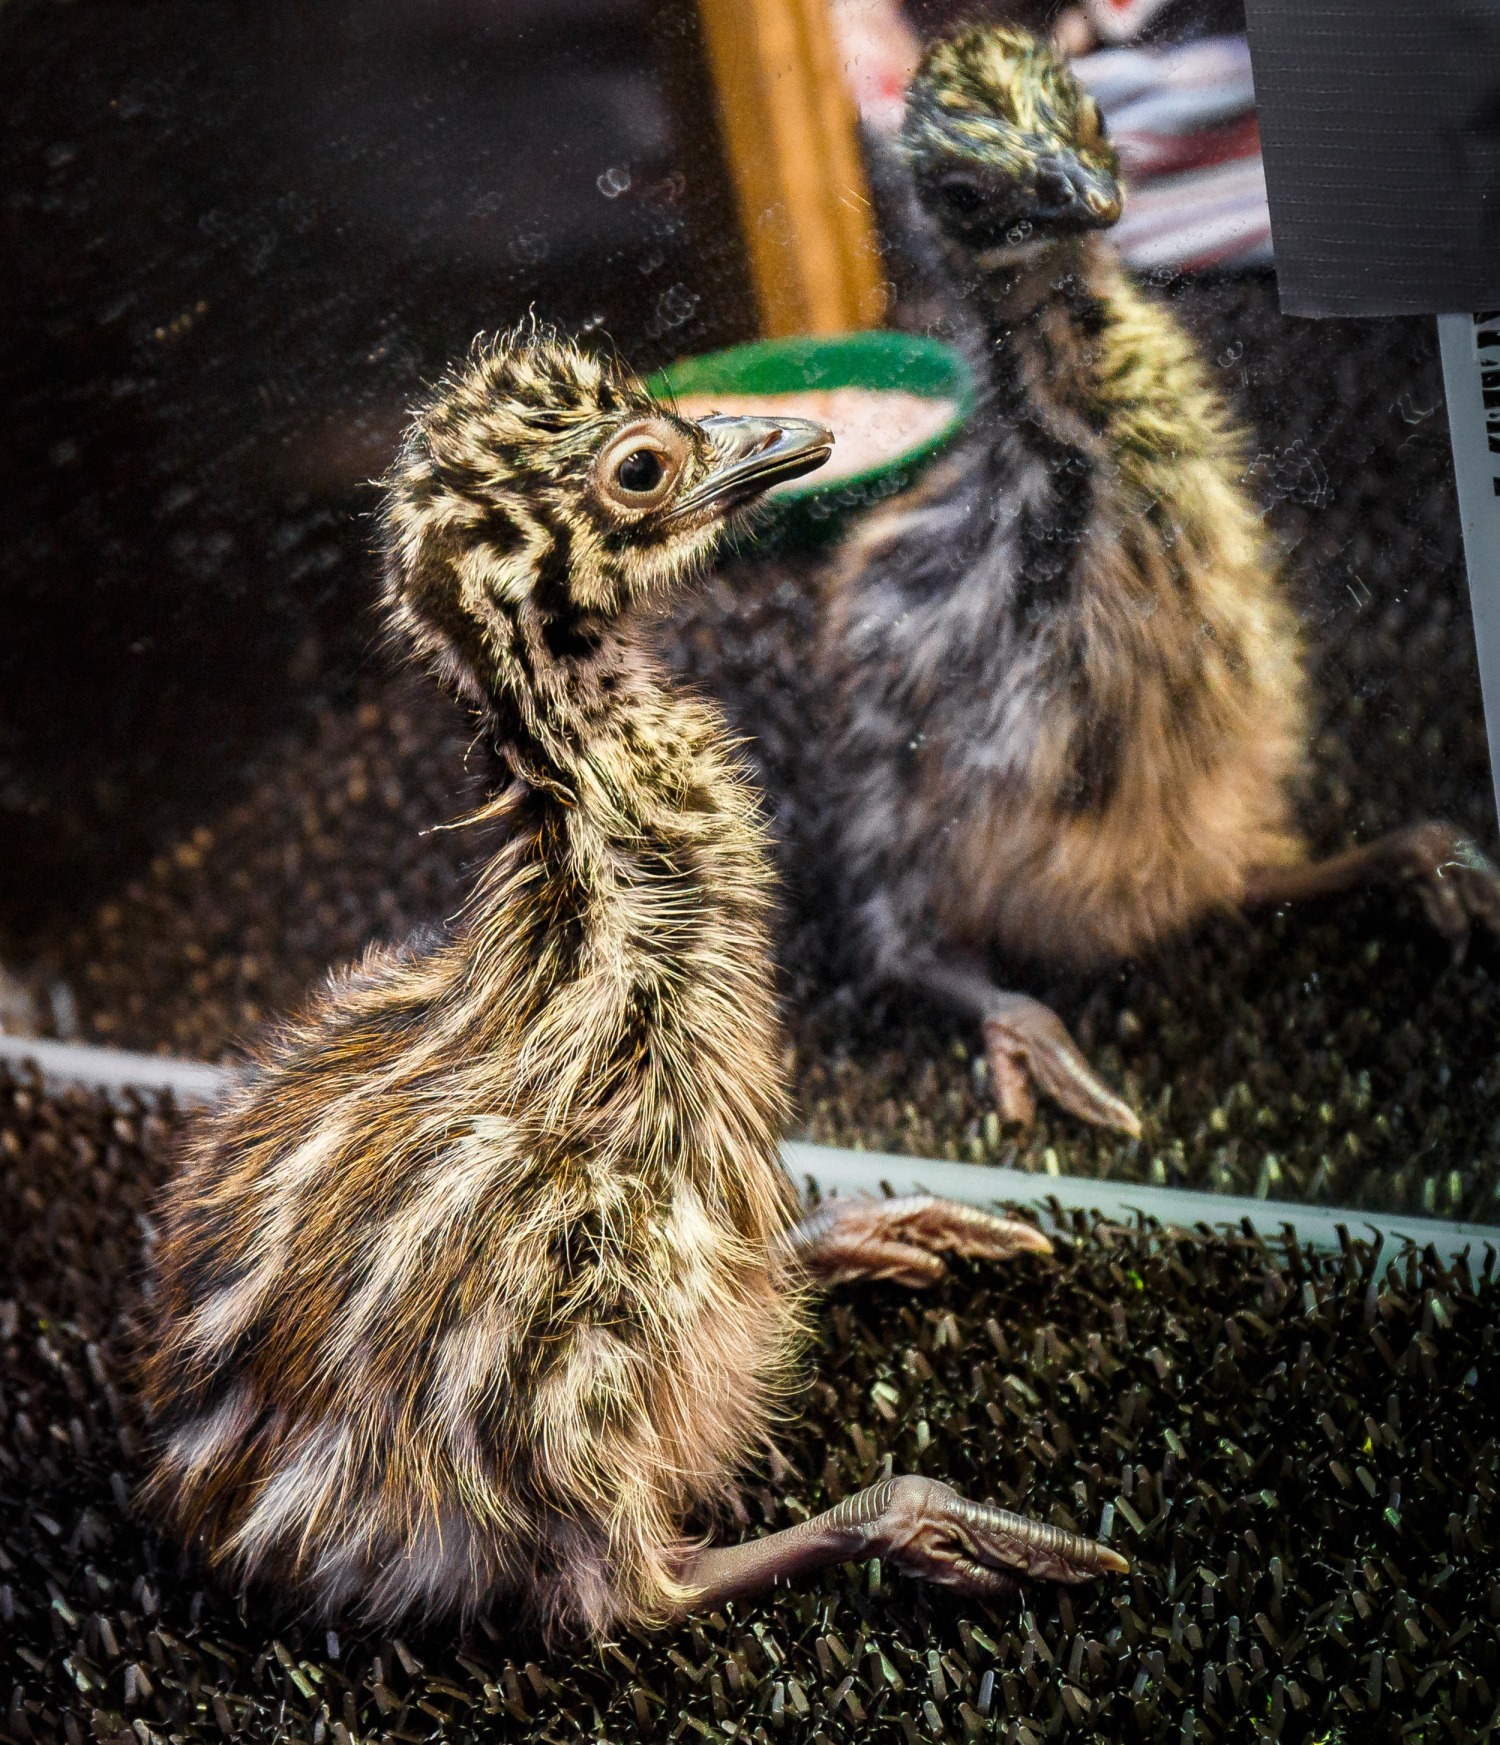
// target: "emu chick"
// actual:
[[484, 1275], [1071, 708]]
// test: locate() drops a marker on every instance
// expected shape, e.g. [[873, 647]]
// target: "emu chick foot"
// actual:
[[1029, 1048], [1457, 883], [918, 1525], [903, 1239]]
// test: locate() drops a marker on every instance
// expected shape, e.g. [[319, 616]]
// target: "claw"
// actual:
[[926, 1528], [1028, 1046], [901, 1239]]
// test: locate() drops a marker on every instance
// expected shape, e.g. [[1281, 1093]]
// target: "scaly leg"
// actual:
[[1457, 884], [917, 1525], [903, 1239]]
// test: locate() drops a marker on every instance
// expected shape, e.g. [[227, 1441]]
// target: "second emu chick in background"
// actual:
[[485, 1275], [1069, 692]]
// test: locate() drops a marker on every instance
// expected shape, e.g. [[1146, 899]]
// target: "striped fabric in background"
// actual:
[[1183, 118]]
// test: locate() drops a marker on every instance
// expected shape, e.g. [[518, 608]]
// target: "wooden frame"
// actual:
[[792, 143]]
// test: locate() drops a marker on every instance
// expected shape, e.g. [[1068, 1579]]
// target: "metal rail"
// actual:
[[833, 1171]]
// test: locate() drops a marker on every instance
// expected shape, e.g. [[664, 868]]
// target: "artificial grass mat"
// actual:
[[1297, 1450]]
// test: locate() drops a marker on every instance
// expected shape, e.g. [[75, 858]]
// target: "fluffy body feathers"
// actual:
[[1071, 701], [468, 1288]]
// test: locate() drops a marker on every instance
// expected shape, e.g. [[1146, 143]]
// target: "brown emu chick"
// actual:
[[1070, 696], [484, 1275]]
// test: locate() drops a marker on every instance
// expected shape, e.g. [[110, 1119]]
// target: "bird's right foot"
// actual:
[[903, 1239], [1029, 1049], [925, 1528], [917, 1525]]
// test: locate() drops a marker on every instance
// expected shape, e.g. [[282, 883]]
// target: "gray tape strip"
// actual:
[[834, 1171], [1470, 345]]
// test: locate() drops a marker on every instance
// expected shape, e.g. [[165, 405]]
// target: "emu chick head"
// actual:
[[542, 495], [1007, 148]]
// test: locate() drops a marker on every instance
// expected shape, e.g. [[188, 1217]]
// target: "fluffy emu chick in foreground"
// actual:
[[485, 1274], [1070, 698]]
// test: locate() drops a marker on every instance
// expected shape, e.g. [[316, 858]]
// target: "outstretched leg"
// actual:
[[903, 1239], [917, 1525], [1457, 884]]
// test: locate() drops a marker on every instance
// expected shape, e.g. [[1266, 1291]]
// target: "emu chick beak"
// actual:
[[751, 455]]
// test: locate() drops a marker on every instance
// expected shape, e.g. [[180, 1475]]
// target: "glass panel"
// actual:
[[240, 244]]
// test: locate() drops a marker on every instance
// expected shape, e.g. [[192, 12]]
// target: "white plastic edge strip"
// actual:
[[1470, 346], [115, 1069], [833, 1171], [847, 1172]]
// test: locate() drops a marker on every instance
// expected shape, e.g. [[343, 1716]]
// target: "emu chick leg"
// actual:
[[1457, 884], [902, 1239], [918, 1525]]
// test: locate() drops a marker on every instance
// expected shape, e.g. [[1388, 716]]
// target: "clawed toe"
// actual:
[[949, 1227], [1035, 1548], [1457, 883], [902, 1239], [1029, 1048], [931, 1531]]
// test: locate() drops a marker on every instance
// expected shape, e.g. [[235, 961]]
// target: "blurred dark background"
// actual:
[[238, 239]]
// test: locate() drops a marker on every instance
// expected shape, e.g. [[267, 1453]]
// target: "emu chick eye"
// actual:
[[640, 471], [639, 467], [961, 195]]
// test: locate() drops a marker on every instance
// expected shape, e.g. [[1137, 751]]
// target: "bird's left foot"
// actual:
[[903, 1239]]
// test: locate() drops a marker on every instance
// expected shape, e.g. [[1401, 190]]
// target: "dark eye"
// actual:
[[961, 195], [639, 467], [640, 471]]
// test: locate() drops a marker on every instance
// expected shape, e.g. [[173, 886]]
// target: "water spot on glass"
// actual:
[[528, 247], [614, 181], [1411, 412], [1293, 474], [676, 305]]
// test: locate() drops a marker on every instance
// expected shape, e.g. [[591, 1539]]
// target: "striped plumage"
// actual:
[[465, 1286], [484, 1276], [1071, 706]]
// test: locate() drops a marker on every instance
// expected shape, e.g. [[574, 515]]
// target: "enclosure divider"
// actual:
[[831, 1170], [790, 137], [1470, 346]]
